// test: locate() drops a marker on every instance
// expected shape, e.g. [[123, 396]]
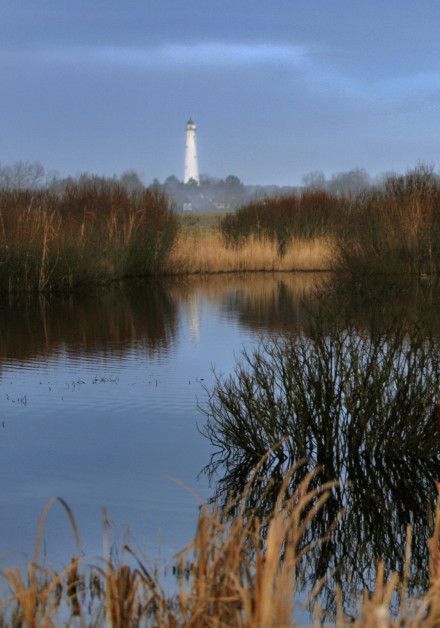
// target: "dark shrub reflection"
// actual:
[[361, 406]]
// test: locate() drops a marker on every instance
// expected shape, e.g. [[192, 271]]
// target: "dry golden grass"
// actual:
[[228, 576], [205, 251]]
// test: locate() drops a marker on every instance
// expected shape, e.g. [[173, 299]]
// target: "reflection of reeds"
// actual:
[[360, 406], [228, 576], [111, 320], [261, 301], [335, 394], [144, 313], [332, 388], [207, 252], [256, 288]]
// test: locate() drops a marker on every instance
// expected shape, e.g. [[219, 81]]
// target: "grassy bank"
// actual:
[[229, 575], [87, 234]]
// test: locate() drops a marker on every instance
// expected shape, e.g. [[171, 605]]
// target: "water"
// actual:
[[99, 399], [98, 405]]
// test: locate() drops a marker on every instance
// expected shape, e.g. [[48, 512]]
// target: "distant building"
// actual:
[[191, 172]]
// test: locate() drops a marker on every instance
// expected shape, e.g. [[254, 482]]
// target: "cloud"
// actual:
[[167, 55], [310, 64]]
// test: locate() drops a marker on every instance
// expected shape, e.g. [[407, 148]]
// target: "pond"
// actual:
[[98, 404], [100, 399]]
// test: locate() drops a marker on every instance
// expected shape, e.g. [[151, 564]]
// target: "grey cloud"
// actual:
[[308, 63]]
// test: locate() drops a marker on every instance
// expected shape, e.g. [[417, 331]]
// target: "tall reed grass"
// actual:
[[229, 575], [88, 233], [307, 215], [95, 231], [390, 229], [395, 229]]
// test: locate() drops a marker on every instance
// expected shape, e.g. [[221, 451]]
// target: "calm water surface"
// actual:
[[99, 399], [98, 404]]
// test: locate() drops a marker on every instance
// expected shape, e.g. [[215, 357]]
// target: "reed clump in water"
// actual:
[[87, 234], [359, 405]]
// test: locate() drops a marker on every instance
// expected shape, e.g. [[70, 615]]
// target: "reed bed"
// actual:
[[229, 575], [208, 252], [389, 229], [306, 215], [95, 232], [87, 234], [395, 229]]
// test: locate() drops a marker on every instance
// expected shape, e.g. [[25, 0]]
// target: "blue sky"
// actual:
[[277, 88]]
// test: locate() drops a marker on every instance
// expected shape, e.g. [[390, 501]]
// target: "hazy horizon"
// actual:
[[276, 90]]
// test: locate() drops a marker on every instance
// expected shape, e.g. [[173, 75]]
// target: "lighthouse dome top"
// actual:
[[190, 122]]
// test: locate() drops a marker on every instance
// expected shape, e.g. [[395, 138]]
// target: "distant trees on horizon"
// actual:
[[212, 194]]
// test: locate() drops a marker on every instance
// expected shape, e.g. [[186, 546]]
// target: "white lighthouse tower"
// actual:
[[191, 162]]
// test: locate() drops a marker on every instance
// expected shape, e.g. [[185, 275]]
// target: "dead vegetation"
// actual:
[[229, 575]]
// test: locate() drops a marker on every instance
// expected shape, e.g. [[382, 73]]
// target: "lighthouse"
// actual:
[[191, 162]]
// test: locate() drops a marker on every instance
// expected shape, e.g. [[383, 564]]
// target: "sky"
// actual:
[[277, 88]]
